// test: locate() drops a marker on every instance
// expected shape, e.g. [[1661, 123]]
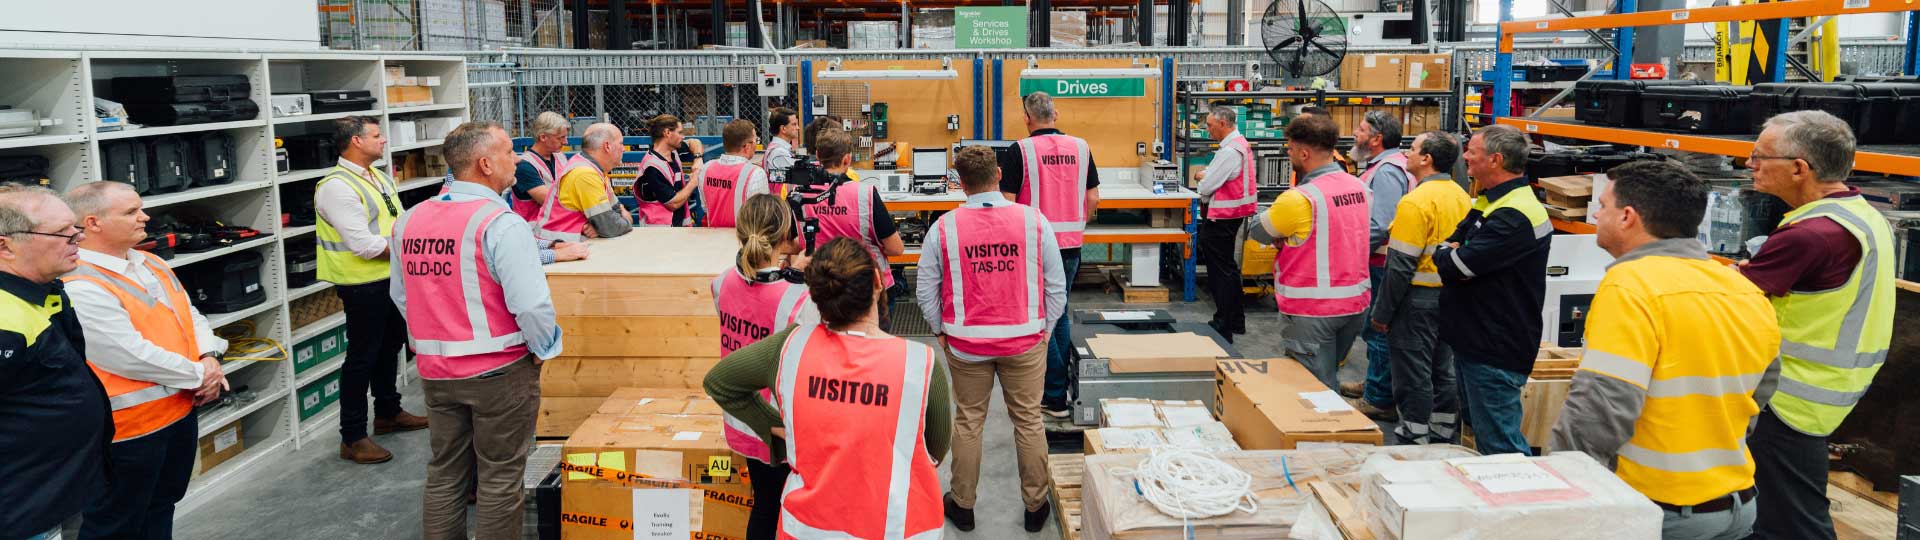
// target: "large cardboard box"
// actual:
[[1373, 72], [219, 446], [1566, 495], [398, 96], [674, 438], [1277, 404], [1428, 72]]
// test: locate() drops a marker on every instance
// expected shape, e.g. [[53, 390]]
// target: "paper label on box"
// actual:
[[1123, 438], [1130, 414], [1326, 401], [660, 514], [225, 439], [1125, 315], [1503, 478], [1414, 74], [720, 466], [1186, 416], [1366, 60], [687, 436]]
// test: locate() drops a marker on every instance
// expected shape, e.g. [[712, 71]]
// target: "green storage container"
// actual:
[[319, 349], [317, 395]]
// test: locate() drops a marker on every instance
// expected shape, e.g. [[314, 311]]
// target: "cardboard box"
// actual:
[[1129, 413], [1374, 72], [219, 446], [1566, 495], [429, 81], [1138, 353], [1277, 404], [672, 436], [1212, 436], [395, 72], [1428, 72], [400, 96]]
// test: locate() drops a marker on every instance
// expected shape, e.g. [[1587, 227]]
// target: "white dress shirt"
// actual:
[[341, 206], [779, 154], [115, 346], [1053, 274]]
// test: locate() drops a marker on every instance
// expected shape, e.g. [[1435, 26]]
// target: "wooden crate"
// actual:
[[1556, 363], [1569, 213], [1130, 294], [1067, 471], [1540, 403], [1859, 518], [638, 312]]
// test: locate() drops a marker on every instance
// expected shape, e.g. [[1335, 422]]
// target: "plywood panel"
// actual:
[[1540, 404], [1112, 126], [559, 416], [656, 251], [630, 337], [917, 109], [598, 377], [613, 295]]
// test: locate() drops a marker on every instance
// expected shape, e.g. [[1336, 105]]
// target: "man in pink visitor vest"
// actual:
[[990, 286], [726, 183], [478, 357], [1227, 189], [1376, 144], [1054, 173], [1320, 274]]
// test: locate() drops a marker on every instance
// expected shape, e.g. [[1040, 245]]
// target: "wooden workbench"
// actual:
[[637, 312], [1115, 194]]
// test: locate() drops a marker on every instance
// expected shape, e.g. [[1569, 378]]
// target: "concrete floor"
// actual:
[[313, 494]]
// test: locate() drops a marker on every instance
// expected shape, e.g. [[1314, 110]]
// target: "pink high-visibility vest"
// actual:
[[654, 213], [850, 216], [557, 222], [1396, 159], [993, 295], [439, 249], [529, 209], [1326, 275], [1055, 182], [724, 188], [1239, 197], [855, 413], [751, 311]]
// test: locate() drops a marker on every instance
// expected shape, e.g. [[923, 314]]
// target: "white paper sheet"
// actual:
[[662, 514], [1126, 315], [687, 436], [1326, 401], [1511, 477]]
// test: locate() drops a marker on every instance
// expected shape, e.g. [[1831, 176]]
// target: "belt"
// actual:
[[1719, 504]]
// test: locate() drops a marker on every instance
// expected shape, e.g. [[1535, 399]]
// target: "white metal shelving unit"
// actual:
[[62, 85]]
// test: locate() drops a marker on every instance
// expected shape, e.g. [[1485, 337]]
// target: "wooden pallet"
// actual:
[[1130, 294], [1859, 485], [1859, 518], [1068, 471]]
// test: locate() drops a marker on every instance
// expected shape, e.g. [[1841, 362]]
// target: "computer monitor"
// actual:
[[929, 162], [1000, 148]]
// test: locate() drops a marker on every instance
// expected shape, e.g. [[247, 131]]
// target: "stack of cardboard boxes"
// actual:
[[653, 463], [405, 90]]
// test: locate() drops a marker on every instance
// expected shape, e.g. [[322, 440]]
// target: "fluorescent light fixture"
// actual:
[[888, 74], [1090, 73]]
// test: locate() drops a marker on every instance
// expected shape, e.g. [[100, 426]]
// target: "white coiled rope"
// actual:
[[1192, 484]]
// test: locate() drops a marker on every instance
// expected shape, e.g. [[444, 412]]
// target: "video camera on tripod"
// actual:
[[809, 184]]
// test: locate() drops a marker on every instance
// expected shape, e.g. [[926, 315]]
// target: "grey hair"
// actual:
[[90, 199], [466, 144], [599, 134], [1039, 106], [549, 122], [1821, 139], [16, 206], [1509, 142], [1223, 114], [1387, 126]]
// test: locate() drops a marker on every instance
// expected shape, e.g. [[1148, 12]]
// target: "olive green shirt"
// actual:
[[735, 384]]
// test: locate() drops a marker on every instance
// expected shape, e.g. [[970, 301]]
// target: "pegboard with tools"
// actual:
[[852, 101]]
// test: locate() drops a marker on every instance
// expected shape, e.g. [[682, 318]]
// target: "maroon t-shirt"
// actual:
[[1808, 255]]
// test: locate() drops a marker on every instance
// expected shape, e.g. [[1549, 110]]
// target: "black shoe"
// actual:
[[962, 518], [1218, 328], [1037, 519]]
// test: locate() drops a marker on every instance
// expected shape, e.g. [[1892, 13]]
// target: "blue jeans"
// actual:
[[1490, 402], [1379, 388], [1060, 345]]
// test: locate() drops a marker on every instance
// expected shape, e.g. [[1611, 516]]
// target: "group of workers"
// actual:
[[1708, 388]]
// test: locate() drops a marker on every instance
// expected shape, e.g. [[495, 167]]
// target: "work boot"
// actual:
[[400, 422], [1037, 518], [962, 518], [364, 452], [1376, 413], [1057, 410], [1352, 389]]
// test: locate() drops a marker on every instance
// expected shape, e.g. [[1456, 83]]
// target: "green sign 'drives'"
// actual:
[[1085, 88], [998, 27]]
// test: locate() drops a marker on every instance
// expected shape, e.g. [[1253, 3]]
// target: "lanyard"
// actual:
[[379, 188]]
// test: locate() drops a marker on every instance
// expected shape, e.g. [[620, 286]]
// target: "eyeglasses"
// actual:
[[1757, 157], [71, 238]]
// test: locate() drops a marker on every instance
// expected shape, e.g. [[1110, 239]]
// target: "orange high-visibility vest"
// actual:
[[142, 407]]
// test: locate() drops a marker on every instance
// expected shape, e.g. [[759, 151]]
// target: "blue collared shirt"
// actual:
[[546, 246], [510, 257], [1054, 279], [1388, 186]]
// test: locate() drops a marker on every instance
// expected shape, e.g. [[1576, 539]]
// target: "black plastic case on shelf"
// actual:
[[1614, 103], [333, 101], [127, 161], [172, 158], [1699, 109], [181, 89], [1875, 110], [226, 284], [180, 114], [314, 151], [210, 163]]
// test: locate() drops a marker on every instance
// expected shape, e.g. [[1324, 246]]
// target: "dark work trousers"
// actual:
[[1378, 389], [1223, 271], [769, 483], [375, 334], [1490, 403], [1790, 475], [1423, 376], [1060, 344], [150, 475]]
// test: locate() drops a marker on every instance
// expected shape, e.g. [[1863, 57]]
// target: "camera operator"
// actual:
[[853, 210]]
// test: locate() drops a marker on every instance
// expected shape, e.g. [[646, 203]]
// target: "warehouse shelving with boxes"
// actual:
[[277, 402]]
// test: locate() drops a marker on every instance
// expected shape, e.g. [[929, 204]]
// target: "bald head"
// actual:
[[602, 142]]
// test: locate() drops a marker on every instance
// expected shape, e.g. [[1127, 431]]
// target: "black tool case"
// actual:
[[333, 101], [211, 162], [180, 114], [181, 89], [172, 164], [302, 263], [1707, 108], [1874, 110], [226, 284], [1614, 103], [312, 151], [127, 161]]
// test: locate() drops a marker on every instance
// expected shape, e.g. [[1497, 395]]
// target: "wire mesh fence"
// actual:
[[443, 25]]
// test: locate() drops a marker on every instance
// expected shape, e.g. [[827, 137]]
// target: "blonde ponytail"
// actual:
[[763, 223]]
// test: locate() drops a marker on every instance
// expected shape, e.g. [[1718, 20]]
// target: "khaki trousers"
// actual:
[[1023, 380], [483, 426]]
